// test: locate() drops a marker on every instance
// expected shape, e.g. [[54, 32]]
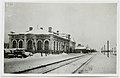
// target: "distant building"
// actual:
[[80, 49], [38, 40]]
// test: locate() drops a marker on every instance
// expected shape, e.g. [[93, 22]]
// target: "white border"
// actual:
[[118, 38], [2, 14], [2, 36], [65, 1]]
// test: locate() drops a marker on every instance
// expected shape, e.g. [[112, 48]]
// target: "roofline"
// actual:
[[10, 34]]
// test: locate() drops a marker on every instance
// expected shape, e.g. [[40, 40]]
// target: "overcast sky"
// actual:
[[88, 23]]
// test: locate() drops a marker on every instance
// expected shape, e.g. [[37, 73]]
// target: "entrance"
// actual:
[[14, 44], [29, 45]]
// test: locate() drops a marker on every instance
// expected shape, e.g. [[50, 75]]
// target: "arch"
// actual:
[[46, 45], [20, 42], [30, 45], [14, 44], [46, 40], [39, 45]]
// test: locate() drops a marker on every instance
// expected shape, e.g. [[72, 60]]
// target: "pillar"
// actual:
[[25, 42], [35, 43], [10, 42]]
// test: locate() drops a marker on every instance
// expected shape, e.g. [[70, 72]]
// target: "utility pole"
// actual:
[[104, 50], [107, 48]]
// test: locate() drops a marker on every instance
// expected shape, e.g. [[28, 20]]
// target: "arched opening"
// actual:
[[39, 45], [20, 44], [46, 45], [14, 44], [29, 45], [54, 46], [57, 46], [71, 50]]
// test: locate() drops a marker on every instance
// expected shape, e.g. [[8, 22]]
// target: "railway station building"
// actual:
[[38, 40]]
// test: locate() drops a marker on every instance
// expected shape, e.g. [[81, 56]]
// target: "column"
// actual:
[[35, 43], [10, 42], [25, 42]]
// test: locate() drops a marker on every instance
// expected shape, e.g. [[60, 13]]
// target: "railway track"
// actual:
[[82, 66], [75, 67], [59, 65]]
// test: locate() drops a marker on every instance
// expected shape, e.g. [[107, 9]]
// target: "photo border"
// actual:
[[58, 1]]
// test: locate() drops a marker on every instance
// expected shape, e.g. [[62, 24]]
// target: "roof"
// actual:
[[34, 31], [80, 47], [72, 40], [40, 31]]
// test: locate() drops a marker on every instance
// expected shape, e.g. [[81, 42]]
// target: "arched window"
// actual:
[[46, 45], [29, 45], [54, 46], [14, 44], [20, 44], [57, 46], [39, 45]]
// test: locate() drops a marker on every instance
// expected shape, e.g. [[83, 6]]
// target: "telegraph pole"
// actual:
[[107, 48]]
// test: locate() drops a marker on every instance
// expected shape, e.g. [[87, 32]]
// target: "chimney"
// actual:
[[57, 32], [30, 28], [50, 29], [41, 28], [68, 36]]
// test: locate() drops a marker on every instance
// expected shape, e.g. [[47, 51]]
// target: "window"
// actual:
[[39, 45], [20, 44], [14, 44], [46, 45], [29, 45]]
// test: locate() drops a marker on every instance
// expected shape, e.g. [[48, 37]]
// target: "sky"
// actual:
[[89, 24]]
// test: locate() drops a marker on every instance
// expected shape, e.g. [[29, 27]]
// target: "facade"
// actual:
[[72, 46], [80, 49], [37, 40]]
